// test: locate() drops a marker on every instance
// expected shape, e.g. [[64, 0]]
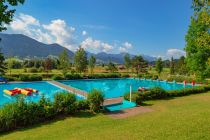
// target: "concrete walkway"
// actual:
[[70, 89], [128, 112]]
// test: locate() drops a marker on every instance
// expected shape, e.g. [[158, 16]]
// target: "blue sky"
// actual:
[[152, 27]]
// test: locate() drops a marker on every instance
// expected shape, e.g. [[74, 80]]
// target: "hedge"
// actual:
[[159, 93], [22, 113], [25, 77]]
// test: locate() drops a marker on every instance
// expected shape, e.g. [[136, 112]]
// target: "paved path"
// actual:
[[128, 112]]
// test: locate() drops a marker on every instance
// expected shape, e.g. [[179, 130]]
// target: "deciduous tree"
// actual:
[[64, 62], [127, 61], [6, 14], [92, 62], [159, 66], [198, 39], [80, 60]]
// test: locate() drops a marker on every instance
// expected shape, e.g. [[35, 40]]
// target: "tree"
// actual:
[[181, 66], [198, 39], [80, 60], [64, 62], [47, 65], [111, 67], [2, 64], [127, 61], [92, 62], [6, 14], [172, 66], [10, 63], [159, 65], [139, 64]]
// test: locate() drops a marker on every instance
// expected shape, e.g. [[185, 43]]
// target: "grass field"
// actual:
[[182, 118]]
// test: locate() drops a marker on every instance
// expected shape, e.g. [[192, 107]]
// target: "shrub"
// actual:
[[125, 75], [22, 113], [179, 78], [73, 76], [137, 97], [95, 99], [25, 77], [58, 77], [32, 70], [10, 78], [35, 78], [64, 103], [156, 93], [82, 105]]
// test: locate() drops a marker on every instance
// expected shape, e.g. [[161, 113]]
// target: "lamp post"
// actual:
[[130, 92]]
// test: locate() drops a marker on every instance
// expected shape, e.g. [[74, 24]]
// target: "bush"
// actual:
[[125, 75], [35, 78], [10, 78], [25, 77], [137, 97], [73, 76], [22, 113], [95, 99], [58, 77], [179, 78], [156, 93], [82, 105], [159, 93], [64, 103]]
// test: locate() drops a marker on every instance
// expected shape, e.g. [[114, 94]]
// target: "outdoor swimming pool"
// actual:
[[45, 88], [113, 88]]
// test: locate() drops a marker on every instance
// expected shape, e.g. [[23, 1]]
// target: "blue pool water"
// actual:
[[118, 87], [45, 88], [120, 106]]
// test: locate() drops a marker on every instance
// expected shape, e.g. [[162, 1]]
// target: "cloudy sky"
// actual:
[[151, 27]]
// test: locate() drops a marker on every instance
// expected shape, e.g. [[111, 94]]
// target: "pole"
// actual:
[[130, 92]]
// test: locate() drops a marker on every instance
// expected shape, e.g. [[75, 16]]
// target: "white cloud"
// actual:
[[176, 53], [56, 31], [106, 47], [125, 47], [96, 45], [121, 49], [23, 23], [61, 32], [84, 33]]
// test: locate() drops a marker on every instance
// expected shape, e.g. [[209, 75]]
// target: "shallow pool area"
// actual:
[[45, 88], [120, 106], [113, 88]]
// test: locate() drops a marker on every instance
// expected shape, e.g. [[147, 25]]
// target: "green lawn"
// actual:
[[185, 118]]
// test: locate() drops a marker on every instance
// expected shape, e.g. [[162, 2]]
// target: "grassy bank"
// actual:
[[178, 118]]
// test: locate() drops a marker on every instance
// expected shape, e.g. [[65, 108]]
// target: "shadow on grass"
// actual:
[[82, 114]]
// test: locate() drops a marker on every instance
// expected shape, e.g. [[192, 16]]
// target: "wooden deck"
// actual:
[[85, 94]]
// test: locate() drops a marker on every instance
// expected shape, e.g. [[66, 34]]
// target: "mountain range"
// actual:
[[23, 46]]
